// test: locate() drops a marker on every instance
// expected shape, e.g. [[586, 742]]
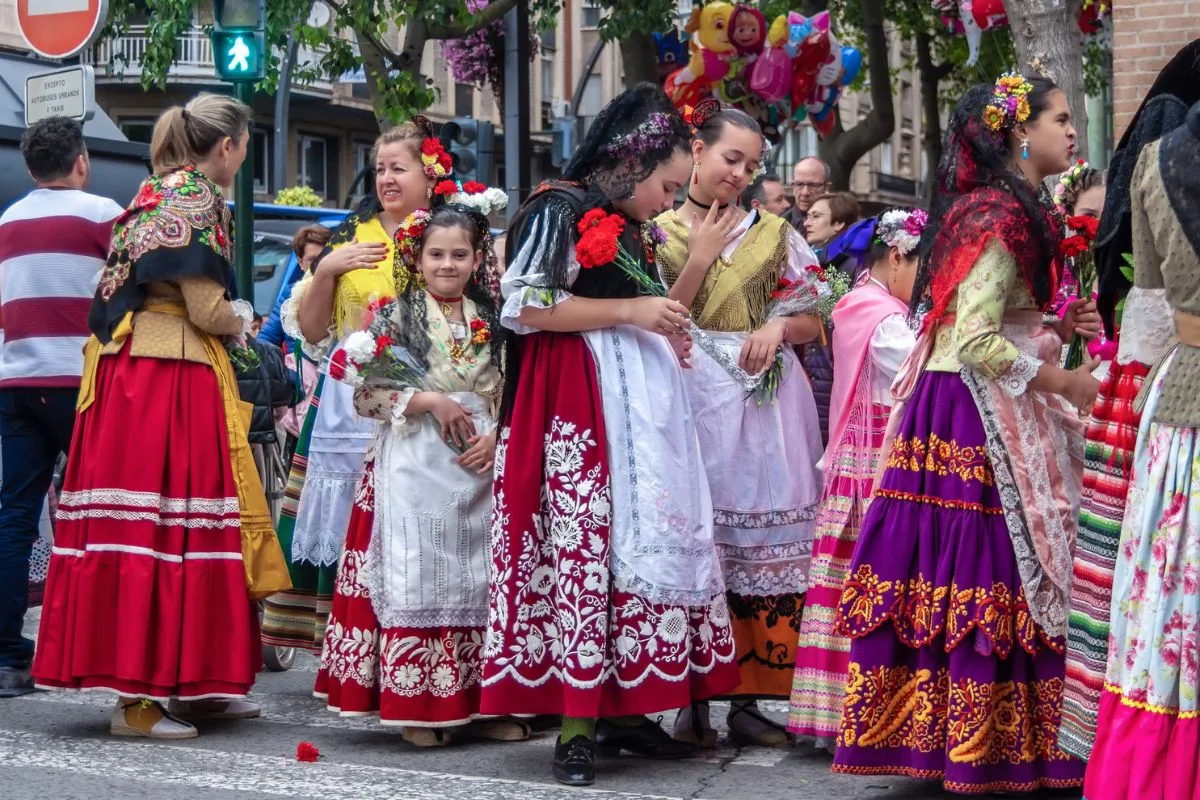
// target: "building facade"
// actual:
[[1146, 35]]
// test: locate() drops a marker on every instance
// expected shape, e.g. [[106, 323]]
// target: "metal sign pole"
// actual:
[[243, 213]]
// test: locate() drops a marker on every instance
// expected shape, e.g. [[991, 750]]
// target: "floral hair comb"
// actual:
[[1065, 185], [1009, 104], [655, 133], [901, 229]]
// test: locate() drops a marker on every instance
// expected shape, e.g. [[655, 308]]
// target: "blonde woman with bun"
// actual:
[[163, 529]]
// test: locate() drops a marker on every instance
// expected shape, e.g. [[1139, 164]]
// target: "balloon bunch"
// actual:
[[972, 18], [779, 74]]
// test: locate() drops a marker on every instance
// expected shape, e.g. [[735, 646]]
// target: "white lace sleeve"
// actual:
[[289, 316], [525, 283], [1147, 327], [1016, 379]]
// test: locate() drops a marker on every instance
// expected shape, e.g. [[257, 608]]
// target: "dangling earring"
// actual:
[[428, 193], [695, 173], [1024, 149]]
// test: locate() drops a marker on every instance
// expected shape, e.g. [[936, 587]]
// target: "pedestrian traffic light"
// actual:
[[239, 55], [239, 39], [471, 144]]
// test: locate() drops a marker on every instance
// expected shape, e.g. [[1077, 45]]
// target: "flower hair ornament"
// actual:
[[1066, 186], [1009, 105], [436, 163], [653, 134], [901, 229], [699, 115], [472, 194], [408, 245]]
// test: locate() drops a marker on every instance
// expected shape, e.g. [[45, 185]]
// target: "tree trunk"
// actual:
[[930, 76], [639, 57], [375, 70], [1046, 35], [843, 148]]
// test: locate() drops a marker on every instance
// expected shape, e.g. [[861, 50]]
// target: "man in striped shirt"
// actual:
[[53, 244]]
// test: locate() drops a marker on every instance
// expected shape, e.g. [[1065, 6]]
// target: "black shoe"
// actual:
[[648, 740], [15, 682], [575, 761]]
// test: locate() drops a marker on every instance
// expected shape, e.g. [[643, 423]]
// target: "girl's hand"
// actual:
[[659, 315], [481, 455], [1080, 388], [1080, 317], [355, 255], [759, 350], [457, 426], [681, 343], [710, 234]]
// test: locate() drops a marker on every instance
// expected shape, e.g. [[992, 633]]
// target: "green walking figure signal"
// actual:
[[237, 56], [239, 39]]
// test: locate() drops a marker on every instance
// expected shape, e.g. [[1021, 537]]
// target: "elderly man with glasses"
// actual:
[[810, 180]]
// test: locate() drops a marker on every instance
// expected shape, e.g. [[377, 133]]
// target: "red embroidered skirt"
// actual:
[[425, 677], [561, 639], [146, 594]]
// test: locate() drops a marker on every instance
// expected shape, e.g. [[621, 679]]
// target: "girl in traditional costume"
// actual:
[[405, 637], [760, 452], [162, 530], [325, 306], [871, 338], [606, 594], [956, 599], [1148, 733], [1143, 332]]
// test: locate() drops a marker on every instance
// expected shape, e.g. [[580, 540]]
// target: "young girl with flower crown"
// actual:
[[405, 636], [871, 337]]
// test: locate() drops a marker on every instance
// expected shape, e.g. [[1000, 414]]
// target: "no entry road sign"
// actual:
[[60, 28]]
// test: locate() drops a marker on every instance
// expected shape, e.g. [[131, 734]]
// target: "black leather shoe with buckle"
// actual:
[[648, 740], [575, 761]]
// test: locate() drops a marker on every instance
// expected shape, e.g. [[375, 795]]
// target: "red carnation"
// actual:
[[591, 219], [337, 365], [1084, 226], [382, 343], [446, 162], [1074, 246], [474, 187], [307, 751], [431, 147], [446, 188], [818, 271], [478, 324]]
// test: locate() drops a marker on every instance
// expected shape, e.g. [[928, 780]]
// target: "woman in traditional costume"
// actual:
[[405, 637], [161, 533], [871, 338], [326, 305], [1143, 331], [606, 595], [1147, 742], [956, 599], [760, 449]]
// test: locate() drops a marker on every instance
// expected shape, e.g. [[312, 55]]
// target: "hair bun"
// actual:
[[423, 124], [705, 110]]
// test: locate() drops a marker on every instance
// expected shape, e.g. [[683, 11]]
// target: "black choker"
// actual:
[[705, 206]]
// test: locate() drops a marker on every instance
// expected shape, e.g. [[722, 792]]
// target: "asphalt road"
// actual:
[[55, 745]]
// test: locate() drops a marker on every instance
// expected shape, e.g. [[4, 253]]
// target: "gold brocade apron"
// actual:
[[262, 557]]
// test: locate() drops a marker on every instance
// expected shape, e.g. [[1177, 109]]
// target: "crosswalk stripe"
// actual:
[[273, 775]]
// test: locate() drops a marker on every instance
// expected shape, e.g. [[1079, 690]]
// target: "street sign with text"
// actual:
[[66, 92], [60, 28]]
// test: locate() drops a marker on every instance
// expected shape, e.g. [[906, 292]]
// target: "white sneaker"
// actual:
[[148, 719], [236, 708]]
